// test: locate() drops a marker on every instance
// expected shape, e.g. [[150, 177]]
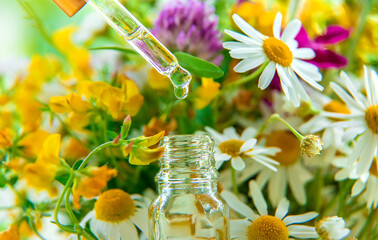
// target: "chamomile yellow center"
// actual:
[[268, 228], [114, 205], [336, 107], [277, 51], [371, 118], [231, 147], [289, 145], [374, 167]]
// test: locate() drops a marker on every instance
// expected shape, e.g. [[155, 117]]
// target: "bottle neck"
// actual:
[[187, 165]]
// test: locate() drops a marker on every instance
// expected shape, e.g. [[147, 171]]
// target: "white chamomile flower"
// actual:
[[366, 184], [362, 121], [332, 228], [230, 145], [115, 215], [263, 226], [282, 54]]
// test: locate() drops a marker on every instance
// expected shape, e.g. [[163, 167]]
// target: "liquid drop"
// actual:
[[181, 91]]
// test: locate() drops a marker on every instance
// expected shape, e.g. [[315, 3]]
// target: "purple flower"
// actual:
[[325, 58], [190, 26]]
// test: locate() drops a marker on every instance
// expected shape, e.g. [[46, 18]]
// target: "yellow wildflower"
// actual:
[[205, 93], [158, 81], [28, 108], [367, 46], [258, 14], [41, 174], [156, 125], [78, 57], [42, 68], [142, 153], [4, 99], [92, 185], [75, 150], [6, 119], [11, 234], [118, 101], [5, 138], [32, 142]]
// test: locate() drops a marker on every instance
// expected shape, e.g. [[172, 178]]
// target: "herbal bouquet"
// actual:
[[288, 90]]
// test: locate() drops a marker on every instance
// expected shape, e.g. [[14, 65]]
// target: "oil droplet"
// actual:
[[181, 91]]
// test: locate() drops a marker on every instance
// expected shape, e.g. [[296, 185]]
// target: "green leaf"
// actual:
[[120, 49], [111, 134], [198, 66]]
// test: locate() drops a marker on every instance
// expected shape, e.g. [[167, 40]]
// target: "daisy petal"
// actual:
[[248, 145], [230, 133], [258, 198], [297, 186], [353, 90], [304, 53], [242, 53], [248, 133], [236, 45], [238, 205], [249, 63], [221, 157], [128, 230], [239, 228], [283, 76], [242, 38], [307, 69], [248, 29], [277, 186], [301, 218], [299, 231], [277, 26], [349, 101], [140, 219], [267, 75], [282, 208], [237, 163], [291, 30]]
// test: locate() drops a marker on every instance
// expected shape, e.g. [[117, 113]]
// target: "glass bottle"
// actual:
[[189, 206]]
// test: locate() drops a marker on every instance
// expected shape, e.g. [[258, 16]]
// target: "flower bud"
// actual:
[[311, 145]]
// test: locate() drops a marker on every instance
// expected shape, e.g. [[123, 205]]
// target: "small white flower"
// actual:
[[332, 228], [230, 145], [362, 121], [115, 215], [255, 226], [282, 53]]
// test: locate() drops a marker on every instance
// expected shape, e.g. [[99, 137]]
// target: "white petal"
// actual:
[[298, 86], [304, 53], [349, 123], [291, 30], [277, 186], [296, 185], [367, 155], [267, 75], [128, 230], [263, 178], [248, 133], [217, 136], [267, 162], [349, 101], [282, 208], [248, 29], [242, 53], [242, 38], [249, 63], [307, 69], [258, 198], [237, 163], [240, 207], [236, 45], [140, 219], [300, 231], [113, 233], [230, 133], [239, 228], [283, 76], [358, 187], [353, 90], [221, 157], [277, 26], [248, 145], [301, 218]]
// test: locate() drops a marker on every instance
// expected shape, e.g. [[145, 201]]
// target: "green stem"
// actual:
[[369, 224], [234, 184], [60, 199], [94, 151], [247, 78], [68, 207], [366, 8], [295, 132]]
